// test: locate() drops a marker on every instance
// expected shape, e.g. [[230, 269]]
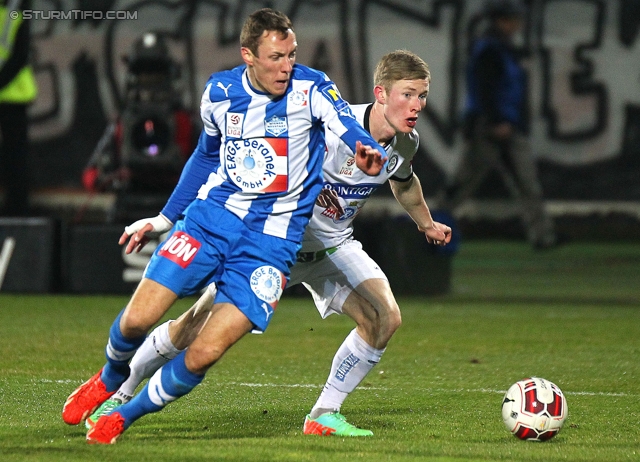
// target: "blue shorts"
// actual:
[[249, 268]]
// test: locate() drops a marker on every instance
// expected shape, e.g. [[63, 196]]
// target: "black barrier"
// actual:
[[94, 262], [412, 266], [35, 256], [29, 255]]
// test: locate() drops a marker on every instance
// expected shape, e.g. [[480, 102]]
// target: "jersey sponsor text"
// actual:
[[258, 165]]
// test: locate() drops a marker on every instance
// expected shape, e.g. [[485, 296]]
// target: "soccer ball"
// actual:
[[534, 409]]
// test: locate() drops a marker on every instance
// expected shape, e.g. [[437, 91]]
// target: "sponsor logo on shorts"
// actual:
[[180, 248], [267, 309], [267, 283]]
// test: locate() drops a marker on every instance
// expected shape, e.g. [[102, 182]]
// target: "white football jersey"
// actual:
[[352, 185]]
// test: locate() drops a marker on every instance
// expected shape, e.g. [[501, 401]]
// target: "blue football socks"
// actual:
[[119, 351], [172, 381]]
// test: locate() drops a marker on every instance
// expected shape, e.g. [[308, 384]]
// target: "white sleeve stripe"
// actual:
[[206, 113]]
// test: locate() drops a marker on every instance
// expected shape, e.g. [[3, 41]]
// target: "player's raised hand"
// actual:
[[368, 159], [438, 234], [142, 231]]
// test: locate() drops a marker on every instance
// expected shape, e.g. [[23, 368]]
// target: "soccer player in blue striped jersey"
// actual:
[[340, 275], [237, 217]]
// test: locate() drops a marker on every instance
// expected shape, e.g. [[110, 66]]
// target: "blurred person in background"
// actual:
[[495, 123], [17, 90]]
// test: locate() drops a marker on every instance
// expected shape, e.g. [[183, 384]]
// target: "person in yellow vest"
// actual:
[[17, 90]]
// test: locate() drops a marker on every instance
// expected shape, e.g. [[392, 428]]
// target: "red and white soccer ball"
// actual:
[[534, 409]]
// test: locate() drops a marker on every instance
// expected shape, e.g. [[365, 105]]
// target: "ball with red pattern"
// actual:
[[534, 409]]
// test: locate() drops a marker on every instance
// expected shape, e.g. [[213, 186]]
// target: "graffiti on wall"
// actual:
[[582, 56]]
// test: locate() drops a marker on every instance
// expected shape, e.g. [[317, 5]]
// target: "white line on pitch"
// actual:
[[432, 390], [292, 385], [488, 390]]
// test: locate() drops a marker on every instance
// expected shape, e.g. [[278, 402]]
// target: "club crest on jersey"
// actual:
[[234, 124], [258, 165], [299, 97], [349, 213], [180, 248], [393, 162], [267, 283], [348, 166], [276, 125]]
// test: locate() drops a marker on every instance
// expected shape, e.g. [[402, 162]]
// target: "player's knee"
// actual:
[[200, 357], [381, 328], [134, 324], [395, 321], [391, 321]]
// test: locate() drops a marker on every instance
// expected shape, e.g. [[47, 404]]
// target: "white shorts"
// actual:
[[332, 278]]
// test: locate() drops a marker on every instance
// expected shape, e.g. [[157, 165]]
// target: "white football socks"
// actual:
[[155, 352], [352, 362]]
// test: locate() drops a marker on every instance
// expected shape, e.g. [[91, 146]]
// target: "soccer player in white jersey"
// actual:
[[339, 274], [237, 217]]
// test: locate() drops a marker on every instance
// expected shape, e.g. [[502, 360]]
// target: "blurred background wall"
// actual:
[[583, 59]]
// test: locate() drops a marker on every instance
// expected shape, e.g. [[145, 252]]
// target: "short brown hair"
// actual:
[[400, 65], [260, 22]]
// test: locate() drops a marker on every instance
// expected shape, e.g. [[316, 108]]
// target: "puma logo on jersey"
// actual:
[[225, 89]]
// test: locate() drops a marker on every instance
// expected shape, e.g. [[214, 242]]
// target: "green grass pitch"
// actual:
[[570, 315]]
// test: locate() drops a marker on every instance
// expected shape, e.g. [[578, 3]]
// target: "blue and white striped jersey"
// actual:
[[353, 186], [260, 156]]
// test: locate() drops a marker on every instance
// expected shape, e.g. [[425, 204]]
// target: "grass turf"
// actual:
[[570, 315]]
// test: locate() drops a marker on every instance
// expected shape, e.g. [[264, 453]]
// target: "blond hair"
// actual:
[[400, 65]]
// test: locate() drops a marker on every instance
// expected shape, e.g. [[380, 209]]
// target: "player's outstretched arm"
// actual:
[[409, 195], [140, 232]]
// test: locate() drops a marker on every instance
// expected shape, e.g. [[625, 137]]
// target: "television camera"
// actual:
[[141, 154]]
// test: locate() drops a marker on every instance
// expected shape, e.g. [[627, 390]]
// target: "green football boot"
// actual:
[[332, 423], [104, 409]]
